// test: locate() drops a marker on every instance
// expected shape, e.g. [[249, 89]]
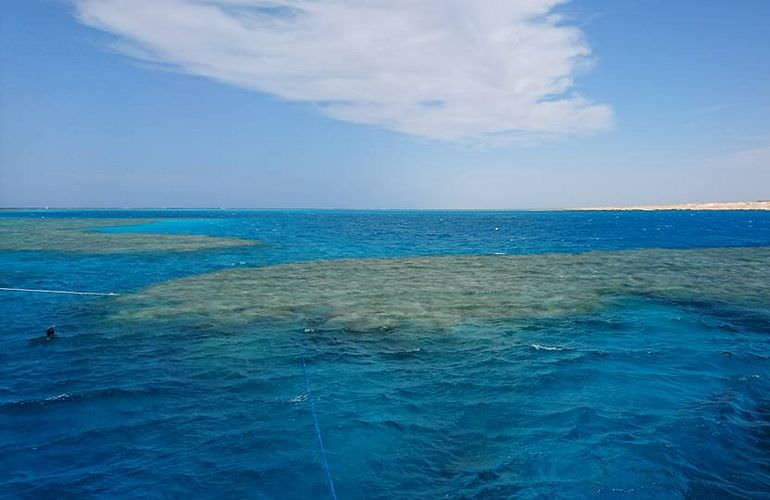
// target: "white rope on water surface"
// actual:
[[63, 292]]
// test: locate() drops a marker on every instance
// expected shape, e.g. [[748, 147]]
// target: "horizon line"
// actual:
[[661, 206]]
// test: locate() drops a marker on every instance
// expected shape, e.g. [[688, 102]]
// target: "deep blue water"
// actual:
[[642, 399]]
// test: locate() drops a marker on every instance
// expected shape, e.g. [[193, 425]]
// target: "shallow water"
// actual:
[[98, 236], [366, 294], [614, 373]]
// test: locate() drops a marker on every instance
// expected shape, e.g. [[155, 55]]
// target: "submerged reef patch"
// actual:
[[77, 235], [437, 292]]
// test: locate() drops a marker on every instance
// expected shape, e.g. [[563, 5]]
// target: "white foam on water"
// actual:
[[539, 347], [58, 397], [299, 399]]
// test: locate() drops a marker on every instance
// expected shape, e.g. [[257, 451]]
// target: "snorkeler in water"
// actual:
[[50, 334]]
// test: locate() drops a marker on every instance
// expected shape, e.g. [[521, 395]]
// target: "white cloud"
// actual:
[[479, 70]]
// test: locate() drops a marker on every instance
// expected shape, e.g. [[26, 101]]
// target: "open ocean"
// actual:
[[435, 354]]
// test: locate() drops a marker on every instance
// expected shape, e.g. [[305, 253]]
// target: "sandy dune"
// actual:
[[733, 205]]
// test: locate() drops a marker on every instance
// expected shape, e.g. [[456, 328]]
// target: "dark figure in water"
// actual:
[[50, 335]]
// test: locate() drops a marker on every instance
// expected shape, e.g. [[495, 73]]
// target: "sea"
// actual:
[[384, 354]]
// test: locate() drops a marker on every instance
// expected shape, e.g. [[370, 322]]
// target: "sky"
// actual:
[[495, 104]]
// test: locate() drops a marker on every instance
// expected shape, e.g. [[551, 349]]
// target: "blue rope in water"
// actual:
[[318, 431]]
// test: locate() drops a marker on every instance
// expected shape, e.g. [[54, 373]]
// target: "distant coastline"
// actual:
[[733, 205]]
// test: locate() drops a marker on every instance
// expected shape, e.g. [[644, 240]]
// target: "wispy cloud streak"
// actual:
[[493, 70]]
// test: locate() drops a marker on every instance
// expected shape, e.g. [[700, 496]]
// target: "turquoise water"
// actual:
[[604, 377]]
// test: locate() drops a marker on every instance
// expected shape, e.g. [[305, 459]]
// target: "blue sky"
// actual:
[[402, 104]]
